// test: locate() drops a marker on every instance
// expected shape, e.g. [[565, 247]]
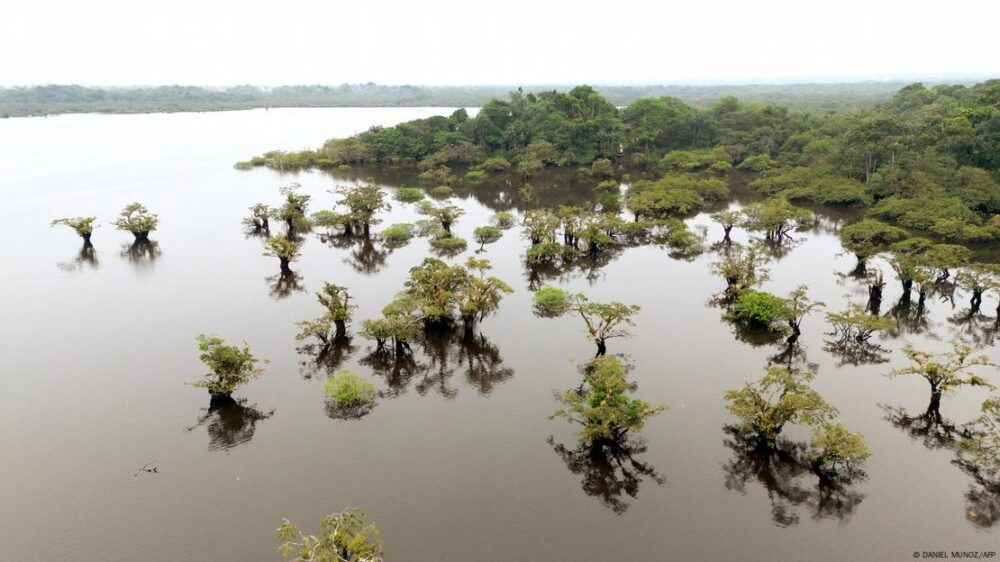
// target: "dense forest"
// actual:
[[926, 159], [54, 99]]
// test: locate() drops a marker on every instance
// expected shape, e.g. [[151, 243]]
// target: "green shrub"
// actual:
[[442, 191], [495, 164], [475, 175], [760, 308], [350, 390], [409, 194], [503, 220], [550, 302], [398, 233], [230, 366]]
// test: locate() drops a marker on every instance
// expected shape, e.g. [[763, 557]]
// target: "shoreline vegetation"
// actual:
[[927, 159], [41, 100]]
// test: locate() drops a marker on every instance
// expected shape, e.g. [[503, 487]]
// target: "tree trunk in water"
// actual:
[[284, 265], [446, 225], [935, 405], [907, 286], [469, 323], [602, 348], [86, 239], [141, 236], [977, 299], [367, 229], [348, 230], [341, 330]]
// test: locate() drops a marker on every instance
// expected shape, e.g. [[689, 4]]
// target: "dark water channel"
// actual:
[[458, 460]]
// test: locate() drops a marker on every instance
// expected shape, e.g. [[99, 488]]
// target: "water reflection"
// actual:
[[142, 253], [284, 284], [324, 359], [609, 469], [910, 317], [86, 258], [229, 422], [789, 479], [974, 328], [440, 356]]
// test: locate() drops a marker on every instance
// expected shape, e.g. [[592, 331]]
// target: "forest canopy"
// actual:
[[926, 159]]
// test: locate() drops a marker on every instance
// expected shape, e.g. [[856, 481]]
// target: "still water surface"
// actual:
[[458, 461]]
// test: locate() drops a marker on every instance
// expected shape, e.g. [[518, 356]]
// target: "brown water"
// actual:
[[458, 461]]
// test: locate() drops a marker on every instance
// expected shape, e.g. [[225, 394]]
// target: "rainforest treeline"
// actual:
[[926, 159]]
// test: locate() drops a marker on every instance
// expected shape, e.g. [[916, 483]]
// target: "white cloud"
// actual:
[[473, 42]]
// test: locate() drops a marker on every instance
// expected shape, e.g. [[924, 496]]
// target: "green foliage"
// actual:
[[437, 291], [400, 323], [757, 163], [397, 234], [981, 447], [742, 267], [760, 308], [409, 194], [503, 220], [834, 448], [602, 406], [294, 208], [475, 175], [495, 164], [363, 203], [780, 397], [344, 537], [449, 245], [337, 301], [445, 214], [442, 191], [551, 302], [282, 248], [486, 235], [854, 324], [136, 219], [776, 218], [259, 215], [690, 160], [229, 366], [602, 168], [946, 372], [868, 237], [83, 226], [604, 321], [349, 390]]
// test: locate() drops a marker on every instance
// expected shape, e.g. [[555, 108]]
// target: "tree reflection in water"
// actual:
[[229, 422], [441, 355], [322, 359], [787, 475], [935, 432], [141, 253], [975, 328], [910, 317], [284, 284], [610, 470], [86, 258]]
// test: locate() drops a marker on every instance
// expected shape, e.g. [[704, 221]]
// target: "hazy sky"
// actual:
[[224, 42]]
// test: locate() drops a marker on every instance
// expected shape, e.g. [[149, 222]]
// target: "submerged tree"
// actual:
[[349, 396], [727, 219], [602, 407], [776, 217], [946, 372], [293, 211], [258, 220], [337, 301], [230, 366], [869, 237], [480, 294], [540, 226], [742, 267], [604, 320], [347, 536], [83, 226], [445, 214], [486, 235], [778, 398], [400, 324], [138, 220], [284, 249], [363, 203], [978, 279], [798, 305]]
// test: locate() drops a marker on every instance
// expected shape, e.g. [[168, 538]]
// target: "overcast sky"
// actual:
[[225, 42]]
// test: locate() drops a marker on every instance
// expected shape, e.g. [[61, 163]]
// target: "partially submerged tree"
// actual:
[[138, 220], [742, 267], [853, 329], [869, 237], [486, 235], [946, 372], [602, 406], [293, 211], [400, 324], [230, 366], [798, 305], [551, 302], [284, 249], [445, 214], [780, 397], [363, 203], [347, 536], [258, 219], [977, 279], [83, 226], [503, 220], [540, 226], [727, 219], [776, 217], [604, 320], [481, 294], [337, 301], [835, 449]]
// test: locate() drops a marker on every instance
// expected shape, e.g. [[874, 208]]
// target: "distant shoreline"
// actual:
[[39, 101]]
